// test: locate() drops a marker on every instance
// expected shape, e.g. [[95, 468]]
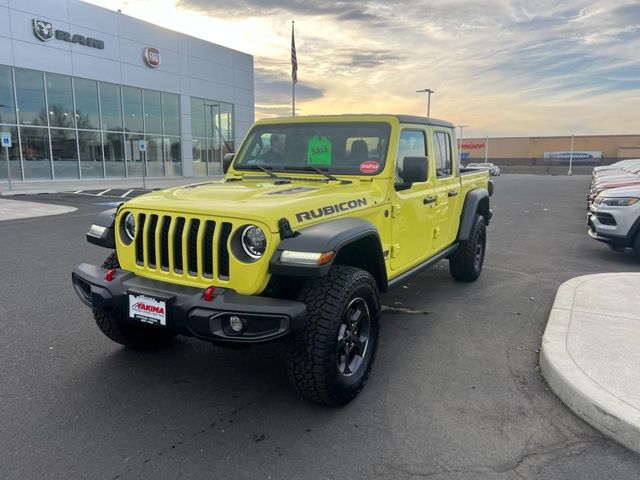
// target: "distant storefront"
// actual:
[[80, 86], [587, 149]]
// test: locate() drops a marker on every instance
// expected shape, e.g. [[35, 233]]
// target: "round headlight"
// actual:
[[130, 225], [254, 243]]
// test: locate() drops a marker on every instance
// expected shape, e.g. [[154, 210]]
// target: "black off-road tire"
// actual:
[[315, 355], [465, 264], [123, 331]]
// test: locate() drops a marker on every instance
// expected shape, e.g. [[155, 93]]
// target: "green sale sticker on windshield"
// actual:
[[319, 151]]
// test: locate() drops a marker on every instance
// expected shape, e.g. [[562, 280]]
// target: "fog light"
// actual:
[[236, 324]]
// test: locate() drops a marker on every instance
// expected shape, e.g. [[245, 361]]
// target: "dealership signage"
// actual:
[[44, 32], [152, 57], [473, 146], [575, 155]]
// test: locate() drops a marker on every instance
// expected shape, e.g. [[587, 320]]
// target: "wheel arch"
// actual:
[[356, 243], [476, 202]]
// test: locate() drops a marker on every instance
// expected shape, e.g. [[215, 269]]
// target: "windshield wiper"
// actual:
[[312, 168], [268, 172]]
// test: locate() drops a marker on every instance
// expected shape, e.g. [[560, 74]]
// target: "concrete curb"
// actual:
[[590, 352], [18, 209]]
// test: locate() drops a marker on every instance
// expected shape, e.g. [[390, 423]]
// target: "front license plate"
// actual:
[[148, 309]]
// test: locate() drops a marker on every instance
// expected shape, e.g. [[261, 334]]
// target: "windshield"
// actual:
[[338, 148]]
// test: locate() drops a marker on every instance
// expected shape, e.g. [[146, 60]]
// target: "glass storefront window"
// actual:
[[14, 155], [30, 95], [171, 114], [211, 113], [214, 158], [114, 157], [226, 120], [111, 107], [90, 144], [155, 166], [35, 153], [212, 129], [152, 112], [199, 153], [134, 156], [87, 113], [197, 118], [7, 105], [64, 151], [60, 100], [132, 101], [172, 156], [78, 128]]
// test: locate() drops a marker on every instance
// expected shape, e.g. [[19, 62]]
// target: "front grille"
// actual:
[[189, 247]]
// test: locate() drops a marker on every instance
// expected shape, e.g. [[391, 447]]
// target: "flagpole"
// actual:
[[294, 69]]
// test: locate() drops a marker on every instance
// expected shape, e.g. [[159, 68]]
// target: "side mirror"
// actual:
[[226, 162], [414, 169]]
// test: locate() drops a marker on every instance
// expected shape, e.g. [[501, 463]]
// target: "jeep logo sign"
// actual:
[[152, 57], [44, 32]]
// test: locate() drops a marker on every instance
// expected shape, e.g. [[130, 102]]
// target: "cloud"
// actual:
[[273, 92], [501, 65], [341, 9]]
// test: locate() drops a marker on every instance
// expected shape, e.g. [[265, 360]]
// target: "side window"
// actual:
[[412, 144], [442, 150]]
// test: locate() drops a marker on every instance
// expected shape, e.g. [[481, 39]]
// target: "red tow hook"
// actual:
[[110, 274], [207, 296]]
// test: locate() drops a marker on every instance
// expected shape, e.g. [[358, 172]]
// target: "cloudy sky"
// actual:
[[530, 67]]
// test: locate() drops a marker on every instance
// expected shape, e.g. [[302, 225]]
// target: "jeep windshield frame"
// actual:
[[337, 148]]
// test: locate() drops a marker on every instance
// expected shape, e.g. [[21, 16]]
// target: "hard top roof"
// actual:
[[402, 118]]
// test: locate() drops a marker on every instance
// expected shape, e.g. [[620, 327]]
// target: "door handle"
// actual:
[[429, 199], [452, 193]]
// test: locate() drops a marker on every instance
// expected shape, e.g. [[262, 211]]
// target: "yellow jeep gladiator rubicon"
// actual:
[[314, 219]]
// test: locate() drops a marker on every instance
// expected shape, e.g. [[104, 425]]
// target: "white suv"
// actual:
[[614, 218]]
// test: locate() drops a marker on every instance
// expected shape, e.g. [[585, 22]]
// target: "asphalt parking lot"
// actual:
[[455, 392]]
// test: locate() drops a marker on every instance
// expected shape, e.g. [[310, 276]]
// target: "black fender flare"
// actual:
[[104, 236], [477, 200], [334, 235]]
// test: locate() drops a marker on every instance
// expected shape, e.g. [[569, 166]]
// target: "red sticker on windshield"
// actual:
[[370, 166]]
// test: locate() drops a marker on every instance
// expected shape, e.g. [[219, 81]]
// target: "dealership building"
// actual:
[[87, 93]]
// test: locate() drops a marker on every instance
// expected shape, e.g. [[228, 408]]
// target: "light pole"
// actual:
[[571, 155], [460, 147], [486, 148], [428, 91]]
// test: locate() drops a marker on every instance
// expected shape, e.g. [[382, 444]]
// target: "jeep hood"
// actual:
[[300, 202]]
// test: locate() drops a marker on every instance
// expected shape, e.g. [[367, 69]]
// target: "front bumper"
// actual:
[[606, 233], [264, 318]]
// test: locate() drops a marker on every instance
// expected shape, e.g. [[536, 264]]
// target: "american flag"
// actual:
[[294, 59]]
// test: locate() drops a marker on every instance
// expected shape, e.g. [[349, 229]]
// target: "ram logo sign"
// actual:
[[42, 30], [576, 155]]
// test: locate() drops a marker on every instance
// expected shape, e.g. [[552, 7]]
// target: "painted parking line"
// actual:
[[112, 192]]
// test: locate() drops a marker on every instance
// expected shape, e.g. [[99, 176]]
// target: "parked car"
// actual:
[[494, 170], [614, 218], [616, 166], [597, 189]]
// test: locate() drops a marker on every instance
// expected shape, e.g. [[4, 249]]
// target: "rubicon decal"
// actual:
[[331, 209]]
